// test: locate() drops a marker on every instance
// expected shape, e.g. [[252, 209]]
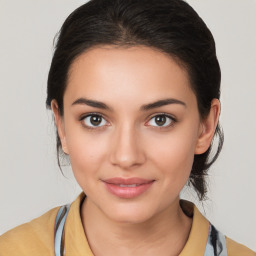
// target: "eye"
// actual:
[[162, 120], [93, 121]]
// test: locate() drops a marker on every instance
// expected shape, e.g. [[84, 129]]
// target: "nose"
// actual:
[[126, 150]]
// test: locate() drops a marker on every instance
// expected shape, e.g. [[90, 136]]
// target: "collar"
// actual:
[[199, 231], [77, 244]]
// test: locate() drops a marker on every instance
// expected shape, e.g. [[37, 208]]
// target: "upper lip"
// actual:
[[130, 181]]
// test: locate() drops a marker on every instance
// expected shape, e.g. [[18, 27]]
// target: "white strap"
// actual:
[[216, 243], [59, 227]]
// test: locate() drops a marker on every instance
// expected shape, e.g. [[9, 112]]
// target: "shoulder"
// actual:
[[32, 238], [236, 249], [203, 232]]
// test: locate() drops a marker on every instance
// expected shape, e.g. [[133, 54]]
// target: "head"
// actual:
[[112, 30]]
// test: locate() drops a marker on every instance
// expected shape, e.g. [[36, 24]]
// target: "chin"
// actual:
[[129, 214]]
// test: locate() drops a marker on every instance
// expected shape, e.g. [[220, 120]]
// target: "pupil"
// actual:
[[160, 120], [95, 120]]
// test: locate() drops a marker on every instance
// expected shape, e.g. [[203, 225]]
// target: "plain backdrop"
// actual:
[[30, 181]]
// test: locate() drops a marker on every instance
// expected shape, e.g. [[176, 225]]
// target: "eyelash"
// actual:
[[172, 119]]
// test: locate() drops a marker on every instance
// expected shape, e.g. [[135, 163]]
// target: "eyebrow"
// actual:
[[101, 105]]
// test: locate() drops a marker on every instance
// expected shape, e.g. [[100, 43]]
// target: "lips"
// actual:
[[127, 188], [130, 181]]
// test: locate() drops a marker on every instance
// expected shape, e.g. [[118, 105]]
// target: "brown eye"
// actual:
[[162, 120], [94, 120]]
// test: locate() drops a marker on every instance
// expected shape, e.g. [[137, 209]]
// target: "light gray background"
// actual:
[[30, 182]]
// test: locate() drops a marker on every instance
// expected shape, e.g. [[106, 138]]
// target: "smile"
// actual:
[[127, 188]]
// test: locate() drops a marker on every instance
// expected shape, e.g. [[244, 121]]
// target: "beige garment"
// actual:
[[37, 236]]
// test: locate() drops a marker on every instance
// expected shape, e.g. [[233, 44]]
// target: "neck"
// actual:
[[164, 234]]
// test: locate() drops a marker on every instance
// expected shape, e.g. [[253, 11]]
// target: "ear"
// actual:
[[59, 124], [207, 129]]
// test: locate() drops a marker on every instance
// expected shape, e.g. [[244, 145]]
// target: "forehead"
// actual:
[[118, 56], [136, 72]]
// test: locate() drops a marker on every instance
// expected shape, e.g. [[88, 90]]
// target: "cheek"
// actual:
[[175, 154], [174, 165], [87, 152]]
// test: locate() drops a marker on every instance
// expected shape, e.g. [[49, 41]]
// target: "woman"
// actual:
[[134, 87]]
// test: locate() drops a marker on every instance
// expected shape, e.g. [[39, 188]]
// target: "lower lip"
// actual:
[[128, 192]]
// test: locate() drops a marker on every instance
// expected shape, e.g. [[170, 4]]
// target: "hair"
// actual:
[[170, 26]]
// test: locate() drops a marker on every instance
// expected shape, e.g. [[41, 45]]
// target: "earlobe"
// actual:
[[207, 128], [59, 125]]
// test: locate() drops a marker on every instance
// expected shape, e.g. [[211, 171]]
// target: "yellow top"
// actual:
[[37, 236]]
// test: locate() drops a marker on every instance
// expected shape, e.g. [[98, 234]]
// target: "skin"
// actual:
[[129, 142]]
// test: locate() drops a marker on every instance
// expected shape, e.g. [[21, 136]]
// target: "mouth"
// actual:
[[127, 188]]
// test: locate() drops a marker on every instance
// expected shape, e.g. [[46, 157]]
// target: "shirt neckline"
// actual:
[[77, 244]]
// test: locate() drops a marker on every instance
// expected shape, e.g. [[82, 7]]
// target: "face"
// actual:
[[131, 127]]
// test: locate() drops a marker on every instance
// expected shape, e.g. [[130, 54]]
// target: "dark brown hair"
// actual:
[[171, 26]]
